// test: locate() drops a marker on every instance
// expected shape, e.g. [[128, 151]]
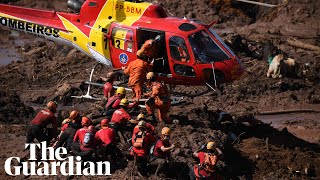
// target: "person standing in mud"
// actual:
[[106, 140], [36, 128], [161, 155], [138, 68], [159, 98], [108, 90], [141, 143]]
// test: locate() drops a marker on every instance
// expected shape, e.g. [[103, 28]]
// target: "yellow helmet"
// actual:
[[121, 90], [140, 116], [142, 124], [211, 145], [165, 131], [124, 102], [150, 75]]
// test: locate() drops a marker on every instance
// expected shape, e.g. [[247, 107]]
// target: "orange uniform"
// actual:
[[162, 101], [137, 70], [144, 150], [202, 173]]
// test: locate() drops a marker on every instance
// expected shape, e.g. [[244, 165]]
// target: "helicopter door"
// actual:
[[122, 46], [179, 57], [160, 64]]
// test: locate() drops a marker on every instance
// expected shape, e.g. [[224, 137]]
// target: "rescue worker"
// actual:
[[73, 115], [84, 142], [209, 158], [141, 143], [120, 116], [161, 153], [108, 90], [138, 68], [120, 119], [79, 135], [150, 129], [159, 98], [67, 135], [114, 102], [36, 128], [106, 139]]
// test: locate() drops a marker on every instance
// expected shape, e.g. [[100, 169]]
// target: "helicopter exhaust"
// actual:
[[75, 5]]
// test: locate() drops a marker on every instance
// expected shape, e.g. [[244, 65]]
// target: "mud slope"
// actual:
[[47, 71]]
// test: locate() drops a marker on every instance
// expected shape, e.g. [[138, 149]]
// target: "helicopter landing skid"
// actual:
[[174, 99], [87, 95]]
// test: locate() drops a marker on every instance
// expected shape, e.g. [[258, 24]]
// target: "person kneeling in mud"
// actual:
[[120, 119], [84, 144], [141, 143], [37, 127], [161, 155], [69, 130], [114, 102], [209, 158], [106, 140]]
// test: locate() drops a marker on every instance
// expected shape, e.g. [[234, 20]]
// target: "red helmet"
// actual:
[[85, 121], [104, 123]]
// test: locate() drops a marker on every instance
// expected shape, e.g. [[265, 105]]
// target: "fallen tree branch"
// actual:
[[300, 44], [288, 111]]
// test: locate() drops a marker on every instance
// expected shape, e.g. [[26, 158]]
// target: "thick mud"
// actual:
[[288, 148]]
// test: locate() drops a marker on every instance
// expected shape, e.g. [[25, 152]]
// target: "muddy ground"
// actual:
[[287, 149]]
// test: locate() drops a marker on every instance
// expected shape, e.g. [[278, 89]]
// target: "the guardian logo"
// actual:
[[53, 164]]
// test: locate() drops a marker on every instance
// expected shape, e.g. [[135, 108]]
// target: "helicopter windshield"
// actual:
[[205, 49]]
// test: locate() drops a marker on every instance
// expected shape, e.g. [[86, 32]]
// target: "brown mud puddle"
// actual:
[[304, 126]]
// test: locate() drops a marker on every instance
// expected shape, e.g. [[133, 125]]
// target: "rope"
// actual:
[[214, 75]]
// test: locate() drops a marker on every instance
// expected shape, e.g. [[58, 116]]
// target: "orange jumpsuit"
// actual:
[[162, 101], [137, 71]]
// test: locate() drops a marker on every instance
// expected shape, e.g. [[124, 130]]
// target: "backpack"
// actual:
[[88, 139], [210, 161], [153, 147], [138, 140]]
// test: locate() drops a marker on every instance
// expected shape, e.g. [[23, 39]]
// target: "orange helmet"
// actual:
[[211, 145], [165, 131], [52, 105], [104, 123], [73, 114], [85, 121]]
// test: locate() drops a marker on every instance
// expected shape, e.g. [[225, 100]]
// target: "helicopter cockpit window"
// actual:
[[178, 49], [122, 39], [205, 49]]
